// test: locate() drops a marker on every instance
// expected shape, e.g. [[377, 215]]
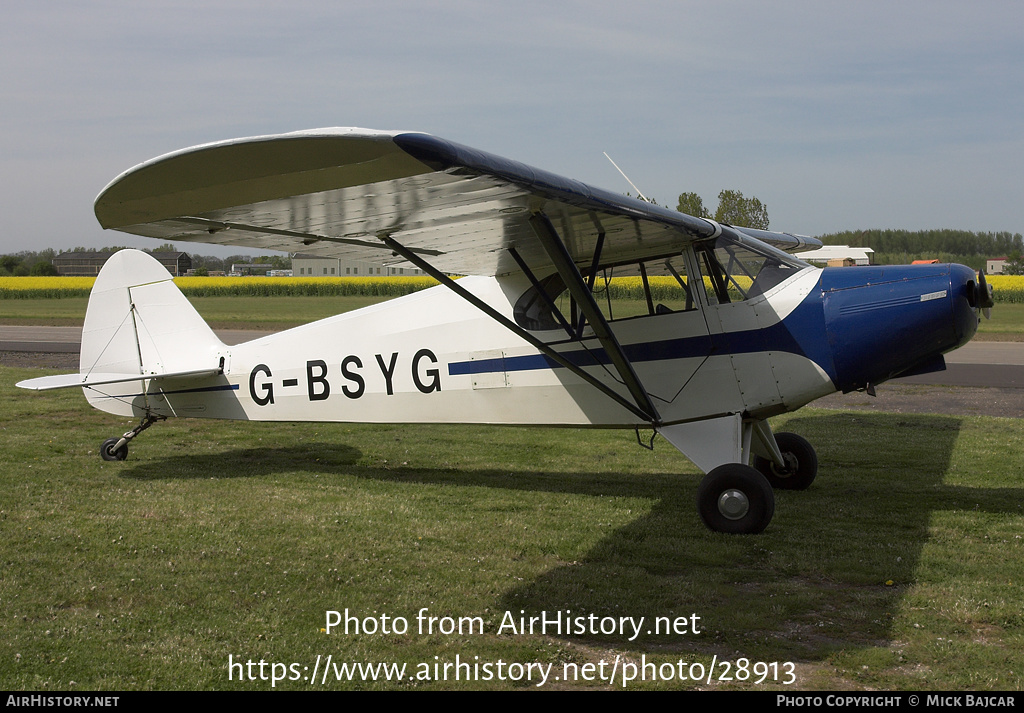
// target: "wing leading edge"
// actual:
[[339, 192]]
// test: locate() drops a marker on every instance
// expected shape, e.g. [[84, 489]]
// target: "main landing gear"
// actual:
[[117, 448], [739, 499], [736, 499], [801, 463]]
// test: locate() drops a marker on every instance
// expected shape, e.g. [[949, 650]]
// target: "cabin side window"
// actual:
[[656, 286]]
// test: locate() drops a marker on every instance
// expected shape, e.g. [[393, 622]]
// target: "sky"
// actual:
[[836, 115]]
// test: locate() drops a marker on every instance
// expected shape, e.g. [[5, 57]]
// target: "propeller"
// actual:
[[981, 296]]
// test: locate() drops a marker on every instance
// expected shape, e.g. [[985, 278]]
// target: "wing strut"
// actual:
[[590, 282], [541, 292], [570, 274], [451, 284]]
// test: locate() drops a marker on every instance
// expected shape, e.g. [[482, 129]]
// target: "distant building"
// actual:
[[88, 264], [827, 253], [306, 265], [995, 265]]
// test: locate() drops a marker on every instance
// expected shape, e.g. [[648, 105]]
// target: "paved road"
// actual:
[[979, 364], [989, 364]]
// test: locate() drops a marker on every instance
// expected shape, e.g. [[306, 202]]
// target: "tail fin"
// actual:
[[138, 321], [137, 324]]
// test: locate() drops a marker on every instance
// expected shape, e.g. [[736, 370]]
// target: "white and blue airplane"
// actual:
[[528, 338]]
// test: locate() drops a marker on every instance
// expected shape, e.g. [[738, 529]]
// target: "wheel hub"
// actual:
[[733, 504], [792, 465]]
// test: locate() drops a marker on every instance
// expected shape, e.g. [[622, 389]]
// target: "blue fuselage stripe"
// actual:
[[802, 333]]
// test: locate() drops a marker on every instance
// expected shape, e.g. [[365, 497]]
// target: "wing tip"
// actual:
[[145, 192]]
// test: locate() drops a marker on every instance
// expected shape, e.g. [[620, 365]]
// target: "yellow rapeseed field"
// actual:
[[44, 287], [57, 287], [298, 286], [1006, 288]]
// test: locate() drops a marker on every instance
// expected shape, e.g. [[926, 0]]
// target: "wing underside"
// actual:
[[344, 192]]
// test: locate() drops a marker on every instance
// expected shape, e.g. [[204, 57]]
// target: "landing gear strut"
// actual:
[[801, 463], [117, 448]]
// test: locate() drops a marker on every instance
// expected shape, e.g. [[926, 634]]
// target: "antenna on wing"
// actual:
[[642, 196]]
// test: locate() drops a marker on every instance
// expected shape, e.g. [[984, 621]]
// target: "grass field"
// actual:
[[265, 313], [1006, 323], [898, 569]]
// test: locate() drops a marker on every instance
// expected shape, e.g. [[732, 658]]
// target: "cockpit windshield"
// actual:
[[739, 269]]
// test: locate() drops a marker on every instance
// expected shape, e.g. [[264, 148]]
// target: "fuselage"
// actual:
[[432, 357]]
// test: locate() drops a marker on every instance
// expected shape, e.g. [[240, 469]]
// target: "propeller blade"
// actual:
[[984, 294]]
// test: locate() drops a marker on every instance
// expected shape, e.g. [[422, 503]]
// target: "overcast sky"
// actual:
[[836, 115]]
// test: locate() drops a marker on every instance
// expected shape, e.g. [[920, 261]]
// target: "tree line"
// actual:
[[963, 243], [891, 247], [899, 247], [25, 263]]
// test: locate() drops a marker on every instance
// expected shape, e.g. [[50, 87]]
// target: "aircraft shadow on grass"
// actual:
[[813, 583], [248, 463]]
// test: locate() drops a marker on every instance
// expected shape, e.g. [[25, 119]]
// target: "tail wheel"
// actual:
[[108, 452], [736, 499], [801, 463]]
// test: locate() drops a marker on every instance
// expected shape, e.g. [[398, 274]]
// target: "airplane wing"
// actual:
[[356, 193]]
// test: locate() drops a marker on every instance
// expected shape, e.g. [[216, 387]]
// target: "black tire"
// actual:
[[800, 458], [107, 451], [736, 499]]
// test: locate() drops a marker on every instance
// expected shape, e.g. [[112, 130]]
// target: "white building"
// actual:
[[306, 265], [995, 265]]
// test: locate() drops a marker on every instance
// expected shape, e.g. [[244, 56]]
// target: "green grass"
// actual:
[[50, 312], [898, 569], [1006, 323], [268, 313]]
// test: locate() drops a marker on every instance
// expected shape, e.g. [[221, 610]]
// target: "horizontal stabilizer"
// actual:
[[65, 381]]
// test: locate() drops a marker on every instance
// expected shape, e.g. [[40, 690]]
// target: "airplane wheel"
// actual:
[[736, 499], [107, 451], [801, 463]]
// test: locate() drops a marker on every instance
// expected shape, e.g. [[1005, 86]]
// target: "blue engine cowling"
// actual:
[[883, 321]]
